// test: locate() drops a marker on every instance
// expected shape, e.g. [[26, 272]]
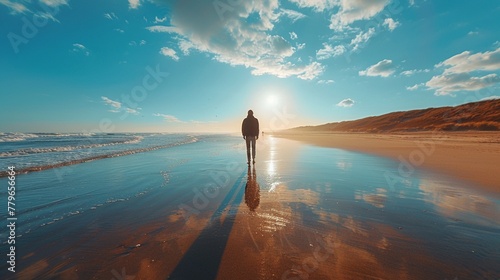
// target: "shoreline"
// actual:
[[470, 156]]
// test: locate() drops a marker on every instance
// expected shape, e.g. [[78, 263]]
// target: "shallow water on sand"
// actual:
[[197, 211]]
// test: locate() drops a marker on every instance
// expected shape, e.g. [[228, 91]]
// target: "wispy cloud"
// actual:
[[21, 7], [134, 4], [361, 38], [383, 68], [46, 15], [460, 69], [169, 52], [168, 118], [414, 71], [110, 16], [15, 7], [293, 35], [161, 28], [317, 5], [54, 3], [174, 119], [491, 97], [79, 48], [328, 51], [326, 81], [140, 43], [414, 87], [115, 104], [132, 111], [159, 20], [391, 24], [117, 107], [291, 14], [348, 102]]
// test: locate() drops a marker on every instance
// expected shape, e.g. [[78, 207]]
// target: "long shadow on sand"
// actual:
[[202, 259]]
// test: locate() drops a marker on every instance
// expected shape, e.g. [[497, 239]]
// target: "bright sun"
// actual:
[[272, 100]]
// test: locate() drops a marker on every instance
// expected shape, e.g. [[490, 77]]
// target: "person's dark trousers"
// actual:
[[251, 141]]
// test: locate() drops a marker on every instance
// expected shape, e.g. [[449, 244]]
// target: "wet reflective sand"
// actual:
[[330, 214], [302, 212]]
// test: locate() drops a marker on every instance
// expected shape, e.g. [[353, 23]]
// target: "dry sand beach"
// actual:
[[473, 156]]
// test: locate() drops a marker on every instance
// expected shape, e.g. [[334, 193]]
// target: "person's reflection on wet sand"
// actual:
[[252, 190]]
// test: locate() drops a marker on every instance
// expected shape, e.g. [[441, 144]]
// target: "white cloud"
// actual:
[[317, 5], [412, 2], [134, 43], [448, 83], [132, 111], [15, 7], [134, 4], [291, 14], [391, 24], [326, 81], [293, 35], [467, 62], [362, 38], [491, 97], [161, 28], [110, 16], [354, 10], [300, 46], [20, 7], [79, 48], [383, 68], [115, 104], [459, 69], [54, 3], [346, 103], [169, 52], [414, 71], [414, 87], [46, 15], [328, 51], [472, 33], [119, 30], [228, 36], [160, 20], [185, 46], [117, 107], [168, 118]]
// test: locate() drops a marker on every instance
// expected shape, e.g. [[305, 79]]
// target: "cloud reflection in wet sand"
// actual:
[[298, 213], [460, 203]]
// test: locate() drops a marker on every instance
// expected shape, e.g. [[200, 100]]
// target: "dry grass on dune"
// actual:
[[482, 116]]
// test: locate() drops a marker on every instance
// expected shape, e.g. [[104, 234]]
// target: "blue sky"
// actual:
[[191, 65]]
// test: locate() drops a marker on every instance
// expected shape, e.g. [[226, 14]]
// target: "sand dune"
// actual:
[[482, 116]]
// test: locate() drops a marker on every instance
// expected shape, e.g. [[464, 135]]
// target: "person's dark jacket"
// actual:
[[250, 126]]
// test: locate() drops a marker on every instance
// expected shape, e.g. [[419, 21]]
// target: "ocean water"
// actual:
[[153, 205], [30, 150]]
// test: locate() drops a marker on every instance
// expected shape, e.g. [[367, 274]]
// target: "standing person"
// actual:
[[250, 131]]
